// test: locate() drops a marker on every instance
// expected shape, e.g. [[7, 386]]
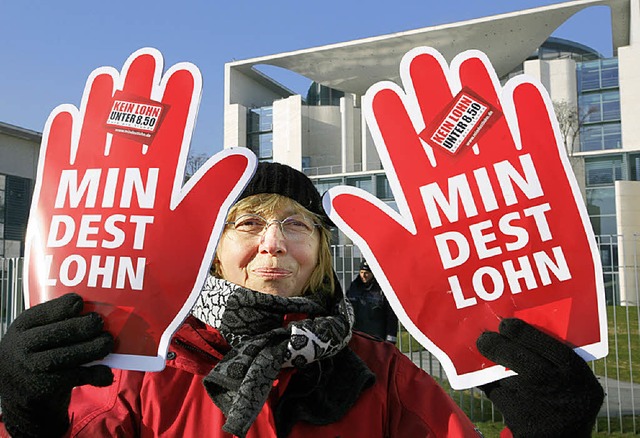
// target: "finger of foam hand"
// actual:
[[213, 189], [536, 130], [140, 76], [478, 74], [170, 136], [58, 137], [139, 80], [56, 155], [430, 85], [94, 113], [408, 159], [367, 220]]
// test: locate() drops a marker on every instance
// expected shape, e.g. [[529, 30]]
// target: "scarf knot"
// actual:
[[253, 324]]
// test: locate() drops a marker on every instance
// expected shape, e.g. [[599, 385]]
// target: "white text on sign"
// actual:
[[107, 231], [489, 239]]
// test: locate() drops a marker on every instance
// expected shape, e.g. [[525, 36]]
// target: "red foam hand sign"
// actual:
[[497, 229], [111, 218]]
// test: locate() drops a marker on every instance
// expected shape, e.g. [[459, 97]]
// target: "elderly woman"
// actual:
[[269, 352]]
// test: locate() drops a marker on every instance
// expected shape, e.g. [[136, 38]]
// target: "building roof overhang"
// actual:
[[507, 39], [19, 132]]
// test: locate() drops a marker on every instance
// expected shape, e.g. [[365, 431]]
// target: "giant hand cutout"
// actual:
[[491, 223], [111, 219]]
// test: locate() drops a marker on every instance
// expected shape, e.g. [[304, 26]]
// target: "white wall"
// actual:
[[322, 136], [19, 157], [629, 75], [287, 131], [558, 76], [235, 125], [628, 222], [247, 91]]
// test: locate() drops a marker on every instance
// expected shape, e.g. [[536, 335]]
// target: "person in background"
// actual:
[[371, 308], [268, 352]]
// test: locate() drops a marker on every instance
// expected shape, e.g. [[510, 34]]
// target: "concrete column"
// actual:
[[628, 225], [235, 126], [287, 131], [346, 133]]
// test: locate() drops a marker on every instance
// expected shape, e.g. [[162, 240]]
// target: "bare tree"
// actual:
[[194, 162], [570, 120]]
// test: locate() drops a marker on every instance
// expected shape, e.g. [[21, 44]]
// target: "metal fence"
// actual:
[[618, 372]]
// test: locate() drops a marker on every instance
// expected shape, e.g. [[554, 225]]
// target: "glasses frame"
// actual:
[[268, 223]]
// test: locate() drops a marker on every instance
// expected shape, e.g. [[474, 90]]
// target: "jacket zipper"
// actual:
[[195, 349]]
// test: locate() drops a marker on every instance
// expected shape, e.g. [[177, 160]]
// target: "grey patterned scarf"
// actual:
[[253, 324]]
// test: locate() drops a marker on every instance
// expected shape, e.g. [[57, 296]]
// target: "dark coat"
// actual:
[[373, 313]]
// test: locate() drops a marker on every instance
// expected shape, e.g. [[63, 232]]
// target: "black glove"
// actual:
[[40, 362], [555, 393]]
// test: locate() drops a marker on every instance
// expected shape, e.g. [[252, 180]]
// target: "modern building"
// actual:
[[325, 135], [19, 149]]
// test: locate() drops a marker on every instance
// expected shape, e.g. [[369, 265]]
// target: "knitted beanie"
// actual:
[[286, 181]]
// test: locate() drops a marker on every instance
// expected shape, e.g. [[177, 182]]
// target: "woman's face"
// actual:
[[269, 262]]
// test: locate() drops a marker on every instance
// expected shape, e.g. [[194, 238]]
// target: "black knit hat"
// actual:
[[364, 266], [286, 181]]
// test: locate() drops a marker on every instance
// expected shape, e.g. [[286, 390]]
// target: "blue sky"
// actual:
[[49, 48]]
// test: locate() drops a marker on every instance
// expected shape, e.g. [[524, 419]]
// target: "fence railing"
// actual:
[[618, 372]]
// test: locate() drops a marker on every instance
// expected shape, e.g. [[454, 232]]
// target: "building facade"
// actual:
[[19, 149], [597, 100]]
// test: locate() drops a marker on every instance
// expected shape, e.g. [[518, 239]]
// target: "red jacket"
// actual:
[[404, 401]]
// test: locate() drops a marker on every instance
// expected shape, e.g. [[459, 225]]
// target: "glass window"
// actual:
[[610, 105], [603, 171], [634, 167], [590, 138], [364, 183], [609, 73], [600, 137], [2, 208], [603, 225], [262, 145], [260, 119], [325, 184], [600, 107], [611, 289], [608, 246], [612, 136], [597, 74], [589, 76], [601, 201], [383, 189], [589, 105]]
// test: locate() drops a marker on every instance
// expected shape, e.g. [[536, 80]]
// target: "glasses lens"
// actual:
[[250, 224], [297, 227], [294, 227]]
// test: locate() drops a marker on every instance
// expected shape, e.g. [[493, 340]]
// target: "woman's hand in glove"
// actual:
[[555, 393], [41, 361]]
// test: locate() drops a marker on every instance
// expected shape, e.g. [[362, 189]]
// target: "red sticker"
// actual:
[[461, 123], [135, 117]]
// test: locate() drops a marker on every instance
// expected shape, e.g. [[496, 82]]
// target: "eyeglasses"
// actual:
[[294, 228]]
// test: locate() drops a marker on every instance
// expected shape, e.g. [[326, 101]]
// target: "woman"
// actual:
[[269, 351]]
